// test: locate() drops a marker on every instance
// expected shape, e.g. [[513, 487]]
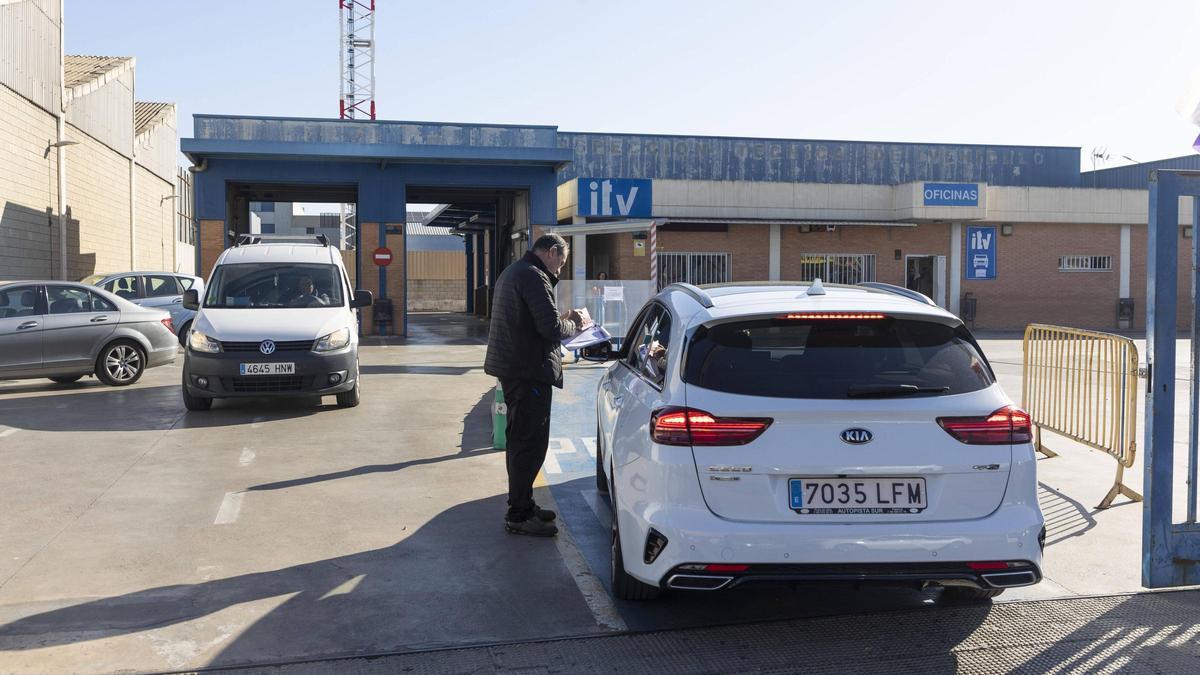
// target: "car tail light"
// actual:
[[687, 426], [170, 325], [837, 316], [1007, 425]]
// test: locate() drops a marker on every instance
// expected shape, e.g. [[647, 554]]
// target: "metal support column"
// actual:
[[1170, 551]]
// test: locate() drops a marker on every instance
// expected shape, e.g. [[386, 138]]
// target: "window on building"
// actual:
[[838, 268], [1085, 263], [266, 228], [693, 268], [331, 220], [262, 207]]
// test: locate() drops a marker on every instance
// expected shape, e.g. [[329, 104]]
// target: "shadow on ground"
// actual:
[[476, 440]]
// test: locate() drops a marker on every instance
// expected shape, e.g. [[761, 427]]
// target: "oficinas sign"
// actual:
[[951, 194]]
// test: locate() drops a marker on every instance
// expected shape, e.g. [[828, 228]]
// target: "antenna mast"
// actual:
[[356, 53]]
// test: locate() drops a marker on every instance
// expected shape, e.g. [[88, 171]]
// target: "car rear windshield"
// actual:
[[275, 285], [836, 358]]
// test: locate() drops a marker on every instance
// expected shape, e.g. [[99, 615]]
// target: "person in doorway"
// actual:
[[523, 353]]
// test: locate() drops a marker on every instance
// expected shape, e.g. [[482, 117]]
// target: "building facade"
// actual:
[[80, 156]]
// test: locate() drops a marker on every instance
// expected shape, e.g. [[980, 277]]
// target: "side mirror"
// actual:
[[605, 351], [362, 299], [191, 299]]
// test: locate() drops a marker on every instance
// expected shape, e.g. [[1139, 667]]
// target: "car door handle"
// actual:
[[177, 301], [99, 319], [27, 325]]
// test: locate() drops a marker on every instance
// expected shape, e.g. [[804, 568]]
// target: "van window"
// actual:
[[833, 359], [275, 285]]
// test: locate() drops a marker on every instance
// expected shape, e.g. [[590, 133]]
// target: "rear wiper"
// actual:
[[890, 390]]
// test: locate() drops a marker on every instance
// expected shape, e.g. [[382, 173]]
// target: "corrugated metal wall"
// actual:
[[29, 51], [338, 131], [814, 161], [106, 114], [436, 265], [156, 149], [1135, 176]]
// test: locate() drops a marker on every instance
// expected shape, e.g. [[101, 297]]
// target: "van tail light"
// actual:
[[169, 324], [688, 426], [1007, 425]]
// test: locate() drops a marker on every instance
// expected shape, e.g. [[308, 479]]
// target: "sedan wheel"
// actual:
[[120, 364]]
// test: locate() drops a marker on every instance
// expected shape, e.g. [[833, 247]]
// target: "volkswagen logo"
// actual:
[[268, 347], [857, 436]]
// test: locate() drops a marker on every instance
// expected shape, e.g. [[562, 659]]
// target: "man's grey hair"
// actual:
[[549, 241]]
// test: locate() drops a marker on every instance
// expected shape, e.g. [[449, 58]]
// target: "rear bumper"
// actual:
[[809, 551], [694, 577], [222, 372]]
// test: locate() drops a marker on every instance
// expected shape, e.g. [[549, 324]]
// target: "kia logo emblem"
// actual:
[[268, 347], [857, 436]]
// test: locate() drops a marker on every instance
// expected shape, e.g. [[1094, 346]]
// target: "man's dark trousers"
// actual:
[[528, 435]]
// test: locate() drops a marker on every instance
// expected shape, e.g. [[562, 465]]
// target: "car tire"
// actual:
[[195, 403], [963, 594], [183, 333], [66, 379], [121, 363], [624, 586], [350, 399], [601, 479]]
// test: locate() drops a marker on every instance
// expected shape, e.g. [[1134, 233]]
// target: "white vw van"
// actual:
[[276, 319]]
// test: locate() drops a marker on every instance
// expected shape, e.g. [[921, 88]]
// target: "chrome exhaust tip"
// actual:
[[697, 582], [1010, 579]]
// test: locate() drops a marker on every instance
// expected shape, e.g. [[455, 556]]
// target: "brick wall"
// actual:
[[212, 242], [98, 196], [155, 224], [28, 187], [882, 242], [437, 295]]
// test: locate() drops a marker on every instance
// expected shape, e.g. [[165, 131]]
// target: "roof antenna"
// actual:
[[816, 288]]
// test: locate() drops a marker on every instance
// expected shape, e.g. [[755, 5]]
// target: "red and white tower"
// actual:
[[357, 55]]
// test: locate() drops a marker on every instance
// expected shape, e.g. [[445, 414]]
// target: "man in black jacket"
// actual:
[[523, 352]]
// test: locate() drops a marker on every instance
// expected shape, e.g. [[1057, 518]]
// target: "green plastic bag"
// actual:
[[499, 420]]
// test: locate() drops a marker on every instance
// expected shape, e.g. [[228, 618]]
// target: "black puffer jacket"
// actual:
[[526, 331]]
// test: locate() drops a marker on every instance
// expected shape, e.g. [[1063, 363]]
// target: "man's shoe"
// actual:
[[534, 527], [545, 515]]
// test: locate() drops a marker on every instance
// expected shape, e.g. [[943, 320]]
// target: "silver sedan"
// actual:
[[64, 331]]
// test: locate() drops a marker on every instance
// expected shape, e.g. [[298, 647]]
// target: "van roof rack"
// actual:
[[698, 294], [898, 290], [246, 239]]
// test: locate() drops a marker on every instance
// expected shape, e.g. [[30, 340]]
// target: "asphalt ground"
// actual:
[[135, 536]]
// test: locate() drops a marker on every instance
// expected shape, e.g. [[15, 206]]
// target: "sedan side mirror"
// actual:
[[362, 299], [604, 351], [191, 299]]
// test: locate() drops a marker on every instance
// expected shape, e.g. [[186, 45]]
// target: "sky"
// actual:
[[1098, 74]]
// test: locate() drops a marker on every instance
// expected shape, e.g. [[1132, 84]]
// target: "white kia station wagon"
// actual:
[[277, 319], [804, 433]]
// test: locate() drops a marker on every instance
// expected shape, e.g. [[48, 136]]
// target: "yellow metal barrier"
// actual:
[[1083, 385]]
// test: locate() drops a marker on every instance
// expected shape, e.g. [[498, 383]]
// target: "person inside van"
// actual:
[[306, 295]]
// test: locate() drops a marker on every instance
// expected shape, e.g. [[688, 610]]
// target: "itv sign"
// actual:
[[981, 252], [951, 194], [615, 197]]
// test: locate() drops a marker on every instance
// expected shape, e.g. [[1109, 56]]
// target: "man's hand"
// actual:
[[579, 317]]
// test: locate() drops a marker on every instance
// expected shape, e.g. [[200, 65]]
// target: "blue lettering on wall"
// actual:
[[615, 197], [951, 194]]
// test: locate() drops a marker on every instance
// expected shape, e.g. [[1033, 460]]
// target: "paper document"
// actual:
[[592, 335]]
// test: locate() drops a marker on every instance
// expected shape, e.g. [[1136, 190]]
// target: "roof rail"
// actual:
[[696, 292], [245, 239], [898, 290]]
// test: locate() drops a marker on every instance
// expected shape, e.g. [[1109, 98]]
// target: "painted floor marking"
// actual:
[[231, 508], [599, 506], [8, 432], [589, 444], [246, 457], [345, 588], [598, 601], [551, 464]]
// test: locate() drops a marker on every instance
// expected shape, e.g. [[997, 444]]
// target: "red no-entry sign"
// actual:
[[382, 256]]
